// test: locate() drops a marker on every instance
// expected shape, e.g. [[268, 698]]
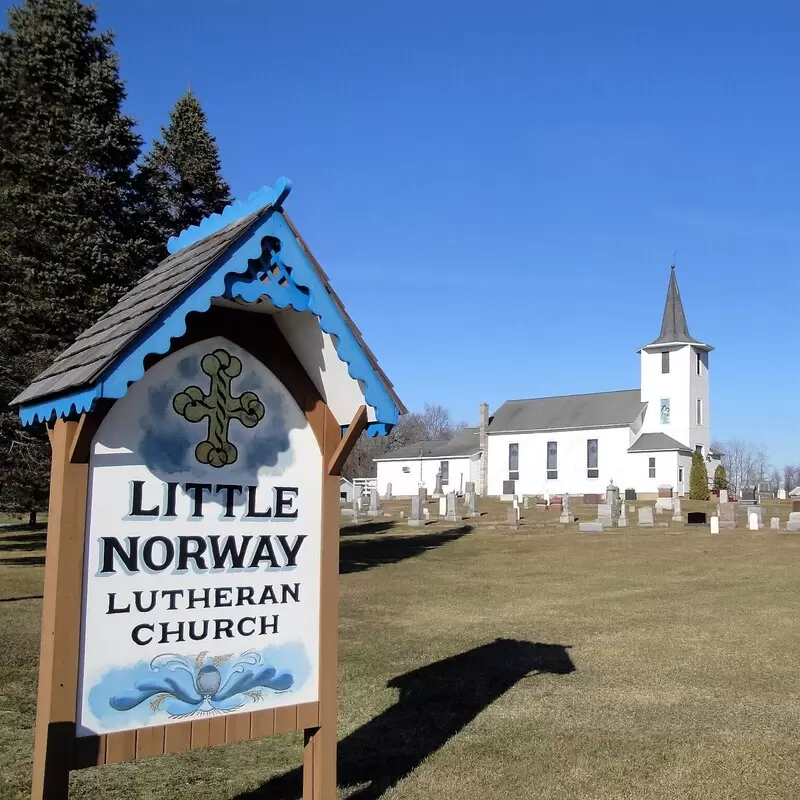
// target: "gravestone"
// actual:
[[452, 514], [723, 495], [511, 518], [388, 491], [590, 527], [592, 499], [508, 490], [612, 494], [714, 522], [658, 509], [630, 495], [696, 518], [469, 487], [676, 510], [472, 512], [415, 518], [442, 506], [664, 500], [437, 491], [781, 494], [752, 522], [645, 517], [794, 521], [759, 513], [422, 493], [727, 515], [556, 503], [356, 510], [364, 500], [622, 522], [526, 502], [795, 505], [748, 496], [775, 523], [375, 509], [606, 515], [566, 515], [426, 514]]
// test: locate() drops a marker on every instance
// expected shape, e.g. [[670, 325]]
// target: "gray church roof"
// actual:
[[657, 443], [464, 443], [674, 328], [599, 410]]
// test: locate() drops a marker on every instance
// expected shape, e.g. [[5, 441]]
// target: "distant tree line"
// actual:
[[84, 211], [433, 423], [748, 464]]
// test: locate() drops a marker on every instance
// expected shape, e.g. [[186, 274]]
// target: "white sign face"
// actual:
[[201, 573]]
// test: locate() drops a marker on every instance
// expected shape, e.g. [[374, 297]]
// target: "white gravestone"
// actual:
[[442, 506], [752, 522], [714, 524]]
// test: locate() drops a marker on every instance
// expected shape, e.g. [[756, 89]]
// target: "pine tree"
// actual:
[[698, 478], [70, 243], [183, 171], [720, 478]]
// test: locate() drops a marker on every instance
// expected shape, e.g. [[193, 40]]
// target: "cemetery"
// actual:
[[525, 651]]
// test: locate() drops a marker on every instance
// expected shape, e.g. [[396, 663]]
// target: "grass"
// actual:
[[477, 662]]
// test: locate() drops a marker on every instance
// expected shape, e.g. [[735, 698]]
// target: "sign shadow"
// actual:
[[435, 702]]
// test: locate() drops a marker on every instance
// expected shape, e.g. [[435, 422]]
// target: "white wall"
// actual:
[[612, 446], [700, 434], [422, 472]]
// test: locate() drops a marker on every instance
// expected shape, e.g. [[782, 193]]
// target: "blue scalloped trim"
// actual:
[[265, 196], [227, 280]]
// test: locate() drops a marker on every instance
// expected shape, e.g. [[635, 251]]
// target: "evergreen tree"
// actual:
[[698, 478], [720, 478], [70, 242], [182, 172]]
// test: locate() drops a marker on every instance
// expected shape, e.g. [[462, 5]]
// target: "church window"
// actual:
[[513, 461], [444, 468], [591, 459], [552, 461], [665, 410], [652, 467], [699, 363], [699, 410], [665, 362]]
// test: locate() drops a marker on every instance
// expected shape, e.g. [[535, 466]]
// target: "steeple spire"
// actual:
[[673, 324]]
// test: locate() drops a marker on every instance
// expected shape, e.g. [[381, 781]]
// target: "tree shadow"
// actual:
[[363, 554], [434, 704], [16, 599], [34, 540], [22, 561], [361, 528]]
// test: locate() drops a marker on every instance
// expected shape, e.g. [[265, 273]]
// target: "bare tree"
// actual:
[[774, 481], [791, 477]]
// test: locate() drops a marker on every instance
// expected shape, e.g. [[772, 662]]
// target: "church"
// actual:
[[638, 438]]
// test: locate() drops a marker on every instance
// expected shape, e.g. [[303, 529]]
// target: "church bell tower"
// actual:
[[675, 379]]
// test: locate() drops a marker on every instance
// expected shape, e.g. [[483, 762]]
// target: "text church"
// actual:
[[639, 438]]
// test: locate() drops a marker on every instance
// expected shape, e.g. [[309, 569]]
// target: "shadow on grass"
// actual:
[[363, 528], [22, 561], [364, 554], [33, 540], [435, 703], [15, 599]]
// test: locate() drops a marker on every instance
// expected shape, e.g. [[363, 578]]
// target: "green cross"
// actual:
[[219, 407]]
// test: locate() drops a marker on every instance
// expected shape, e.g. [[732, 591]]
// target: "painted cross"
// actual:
[[220, 407]]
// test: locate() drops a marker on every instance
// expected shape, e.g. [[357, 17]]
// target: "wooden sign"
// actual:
[[191, 576]]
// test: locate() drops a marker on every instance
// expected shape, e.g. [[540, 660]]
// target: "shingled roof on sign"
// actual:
[[225, 258]]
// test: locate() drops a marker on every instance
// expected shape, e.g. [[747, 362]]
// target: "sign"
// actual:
[[202, 561]]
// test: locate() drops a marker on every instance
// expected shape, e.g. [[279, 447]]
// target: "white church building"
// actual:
[[639, 438]]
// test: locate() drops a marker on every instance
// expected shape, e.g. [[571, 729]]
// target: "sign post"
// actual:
[[191, 578]]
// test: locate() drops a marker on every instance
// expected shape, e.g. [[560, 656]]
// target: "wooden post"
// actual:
[[54, 739]]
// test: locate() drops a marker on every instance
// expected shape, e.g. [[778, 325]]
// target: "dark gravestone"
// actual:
[[592, 499], [630, 494], [508, 487], [748, 496], [696, 518], [795, 505]]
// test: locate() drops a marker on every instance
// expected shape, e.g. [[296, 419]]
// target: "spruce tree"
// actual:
[[182, 172], [720, 478], [698, 478], [70, 243]]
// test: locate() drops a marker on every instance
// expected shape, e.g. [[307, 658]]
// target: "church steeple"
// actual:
[[674, 329]]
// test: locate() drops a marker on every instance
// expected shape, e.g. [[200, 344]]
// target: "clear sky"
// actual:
[[496, 190]]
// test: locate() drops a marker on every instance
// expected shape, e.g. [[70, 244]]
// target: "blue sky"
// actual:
[[515, 177]]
